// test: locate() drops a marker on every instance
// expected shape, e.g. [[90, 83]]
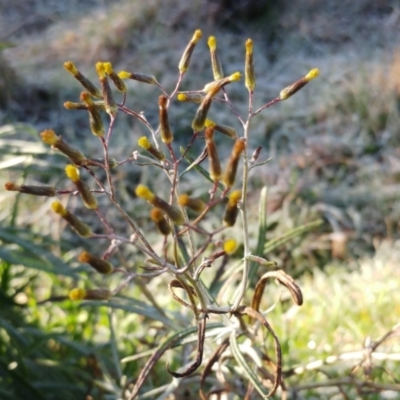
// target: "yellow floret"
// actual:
[[49, 137], [212, 42], [182, 97], [85, 97], [209, 123], [183, 199], [124, 74], [144, 192], [72, 173], [77, 294], [70, 67], [234, 197], [101, 72], [312, 74], [197, 35], [144, 142], [235, 76], [249, 45], [156, 215], [58, 208], [84, 257], [230, 246], [108, 68]]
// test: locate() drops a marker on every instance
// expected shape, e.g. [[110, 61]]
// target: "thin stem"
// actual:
[[177, 86], [236, 112], [272, 102], [243, 212]]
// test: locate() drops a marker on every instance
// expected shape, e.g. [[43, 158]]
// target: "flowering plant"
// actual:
[[188, 246]]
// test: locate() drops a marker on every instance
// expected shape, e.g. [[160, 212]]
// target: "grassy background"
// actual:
[[334, 148]]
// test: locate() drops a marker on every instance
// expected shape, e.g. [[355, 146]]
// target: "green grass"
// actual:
[[334, 152]]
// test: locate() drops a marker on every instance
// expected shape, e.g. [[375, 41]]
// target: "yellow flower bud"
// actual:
[[312, 74], [85, 82], [100, 265], [87, 196], [161, 223], [231, 169], [90, 294], [29, 189], [232, 210], [150, 79], [215, 62], [59, 208], [174, 214], [49, 137], [119, 84], [109, 102], [224, 129], [185, 59], [145, 193], [250, 80], [80, 227], [296, 86], [165, 130], [230, 246], [145, 144], [214, 163], [73, 173], [190, 97], [77, 294], [195, 204], [96, 124]]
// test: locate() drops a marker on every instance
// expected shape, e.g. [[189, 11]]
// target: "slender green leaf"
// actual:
[[274, 243], [32, 255], [246, 367], [262, 232], [199, 169]]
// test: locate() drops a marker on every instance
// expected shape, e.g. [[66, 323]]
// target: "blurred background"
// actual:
[[335, 154]]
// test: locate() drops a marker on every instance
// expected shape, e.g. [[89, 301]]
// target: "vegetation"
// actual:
[[178, 293]]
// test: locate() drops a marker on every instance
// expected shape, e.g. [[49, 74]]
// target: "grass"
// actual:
[[333, 154]]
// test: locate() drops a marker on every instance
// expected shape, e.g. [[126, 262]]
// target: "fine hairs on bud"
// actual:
[[296, 86], [87, 196], [161, 223], [193, 203], [187, 54], [232, 210], [215, 63], [165, 130], [85, 82], [79, 226], [231, 169], [102, 266], [49, 137], [215, 165], [47, 191], [96, 124], [173, 213], [144, 143], [250, 80], [109, 102], [118, 82]]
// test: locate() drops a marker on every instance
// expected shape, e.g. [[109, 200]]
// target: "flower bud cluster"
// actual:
[[172, 218]]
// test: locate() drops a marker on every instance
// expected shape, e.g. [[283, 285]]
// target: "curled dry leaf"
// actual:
[[200, 346], [284, 279], [278, 351], [213, 359]]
